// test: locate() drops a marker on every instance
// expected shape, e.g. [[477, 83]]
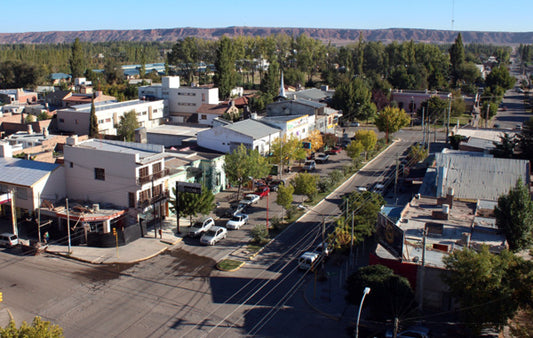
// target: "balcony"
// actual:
[[148, 178], [157, 198]]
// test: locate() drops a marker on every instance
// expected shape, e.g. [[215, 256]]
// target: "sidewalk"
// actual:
[[139, 250]]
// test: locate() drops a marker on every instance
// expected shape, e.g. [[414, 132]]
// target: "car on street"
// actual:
[[309, 261], [411, 332], [309, 165], [213, 235], [8, 240], [334, 150], [324, 249], [322, 158], [237, 221], [201, 226], [518, 126], [361, 189], [379, 188], [250, 199], [262, 191]]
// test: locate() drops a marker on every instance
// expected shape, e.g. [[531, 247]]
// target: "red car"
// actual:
[[262, 191], [334, 150]]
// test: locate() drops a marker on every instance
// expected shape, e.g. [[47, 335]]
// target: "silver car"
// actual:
[[213, 235], [237, 221]]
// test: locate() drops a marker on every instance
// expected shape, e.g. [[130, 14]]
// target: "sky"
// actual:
[[468, 15]]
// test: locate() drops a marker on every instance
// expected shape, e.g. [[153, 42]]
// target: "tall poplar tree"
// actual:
[[77, 60], [93, 127], [457, 59], [225, 76]]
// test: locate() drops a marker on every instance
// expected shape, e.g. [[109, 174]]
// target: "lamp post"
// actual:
[[366, 291]]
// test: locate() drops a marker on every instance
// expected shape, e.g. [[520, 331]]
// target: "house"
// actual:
[[322, 95], [74, 99], [58, 78], [17, 96], [298, 126], [411, 100], [55, 98], [208, 112], [76, 119], [26, 181], [253, 134], [168, 135], [181, 102]]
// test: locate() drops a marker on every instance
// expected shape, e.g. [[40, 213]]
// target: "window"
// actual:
[[143, 172], [100, 121], [21, 193], [99, 174], [144, 113], [203, 97], [157, 190], [62, 120], [131, 200], [76, 121], [108, 120], [72, 164], [156, 167], [145, 195], [204, 117]]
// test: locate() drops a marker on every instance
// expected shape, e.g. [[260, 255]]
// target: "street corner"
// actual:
[[229, 265]]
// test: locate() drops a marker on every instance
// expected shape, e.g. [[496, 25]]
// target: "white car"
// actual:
[[361, 189], [201, 226], [324, 250], [237, 221], [250, 199], [213, 235]]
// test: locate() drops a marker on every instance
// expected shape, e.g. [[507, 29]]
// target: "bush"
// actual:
[[291, 212], [276, 222], [260, 234]]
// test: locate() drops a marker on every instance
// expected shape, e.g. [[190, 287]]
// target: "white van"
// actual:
[[9, 240], [309, 261], [379, 188]]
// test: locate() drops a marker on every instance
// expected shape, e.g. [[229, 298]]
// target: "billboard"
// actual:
[[389, 235]]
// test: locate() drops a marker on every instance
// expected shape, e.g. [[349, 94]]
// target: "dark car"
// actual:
[[334, 150], [274, 184]]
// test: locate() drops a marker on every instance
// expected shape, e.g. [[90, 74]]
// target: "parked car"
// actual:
[[334, 150], [201, 226], [236, 209], [322, 158], [274, 184], [237, 221], [262, 191], [379, 188], [361, 189], [309, 165], [8, 240], [413, 331], [518, 126], [250, 199], [213, 235]]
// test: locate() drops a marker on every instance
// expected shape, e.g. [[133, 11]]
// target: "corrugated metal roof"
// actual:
[[23, 172], [479, 177], [147, 152], [252, 128], [314, 94]]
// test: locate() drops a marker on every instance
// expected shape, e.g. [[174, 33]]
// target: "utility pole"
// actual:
[[351, 247], [13, 213], [39, 216], [487, 118], [68, 225], [177, 209], [396, 178], [422, 272], [423, 129], [448, 124]]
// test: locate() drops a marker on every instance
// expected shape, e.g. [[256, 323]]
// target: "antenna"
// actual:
[[453, 13]]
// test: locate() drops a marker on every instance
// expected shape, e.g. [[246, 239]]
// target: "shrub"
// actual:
[[260, 234]]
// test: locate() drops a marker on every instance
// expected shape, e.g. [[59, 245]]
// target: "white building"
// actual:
[[76, 119], [180, 102], [124, 174], [292, 125], [28, 180], [253, 134]]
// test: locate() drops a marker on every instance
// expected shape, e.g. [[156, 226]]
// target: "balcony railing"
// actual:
[[154, 199], [148, 178]]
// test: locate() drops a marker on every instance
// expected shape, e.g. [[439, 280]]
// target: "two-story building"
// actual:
[[76, 119]]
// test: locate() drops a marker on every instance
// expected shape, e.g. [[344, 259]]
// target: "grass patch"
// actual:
[[229, 265], [253, 248]]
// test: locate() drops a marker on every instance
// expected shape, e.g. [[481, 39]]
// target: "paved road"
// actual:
[[179, 293]]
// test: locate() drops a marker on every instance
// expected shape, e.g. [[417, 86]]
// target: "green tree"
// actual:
[[354, 149], [38, 328], [285, 196], [77, 60], [127, 125], [390, 297], [93, 121], [29, 118], [479, 280], [305, 184], [184, 55], [506, 147], [457, 59], [436, 109], [113, 71], [354, 98], [243, 164], [500, 77], [190, 205], [368, 139], [18, 74], [417, 153], [525, 140], [225, 75], [390, 120], [43, 116], [514, 216], [284, 151]]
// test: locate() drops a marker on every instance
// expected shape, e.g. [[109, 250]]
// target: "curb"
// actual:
[[325, 314], [231, 270]]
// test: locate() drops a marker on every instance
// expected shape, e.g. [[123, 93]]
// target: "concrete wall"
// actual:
[[189, 99], [221, 139]]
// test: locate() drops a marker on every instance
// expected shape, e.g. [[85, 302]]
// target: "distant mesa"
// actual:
[[335, 36]]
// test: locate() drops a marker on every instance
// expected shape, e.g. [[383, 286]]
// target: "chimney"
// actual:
[[45, 132], [29, 128], [72, 140], [5, 150]]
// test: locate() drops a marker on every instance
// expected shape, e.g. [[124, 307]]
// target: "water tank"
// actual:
[[450, 191], [446, 209], [96, 207]]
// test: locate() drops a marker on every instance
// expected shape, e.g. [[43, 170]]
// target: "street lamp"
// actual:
[[366, 291]]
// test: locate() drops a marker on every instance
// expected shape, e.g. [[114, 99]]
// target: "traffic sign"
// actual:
[[195, 188]]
